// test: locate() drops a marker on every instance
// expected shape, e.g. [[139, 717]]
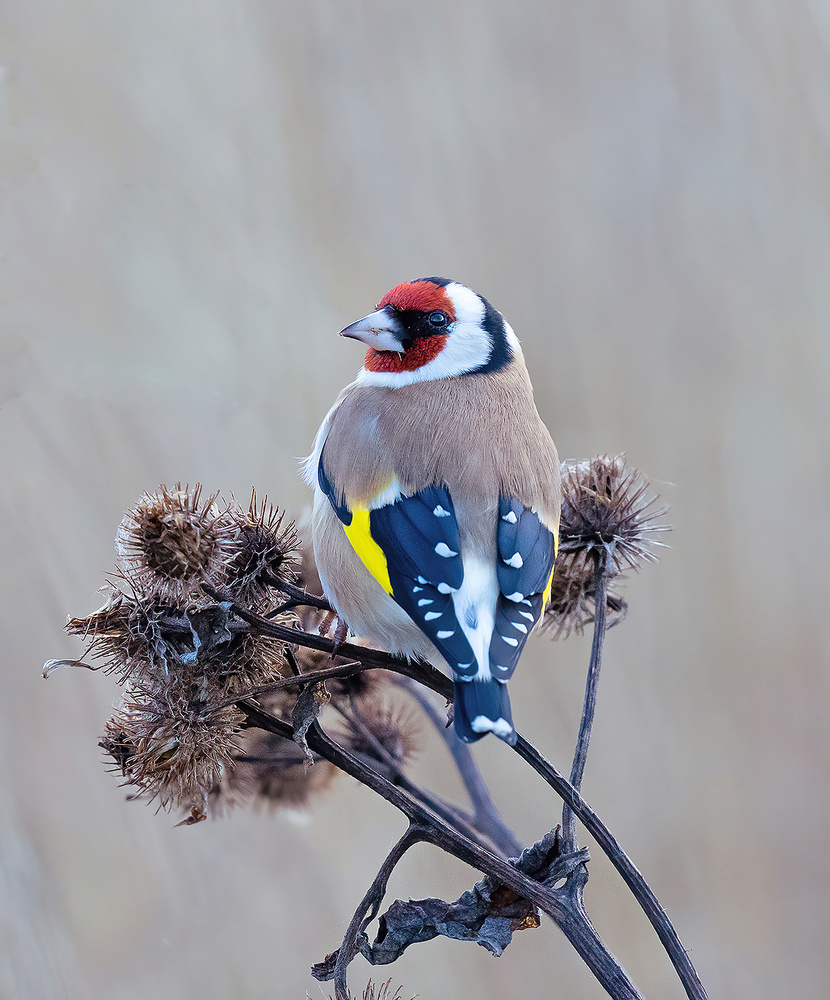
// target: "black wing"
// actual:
[[526, 554], [419, 538]]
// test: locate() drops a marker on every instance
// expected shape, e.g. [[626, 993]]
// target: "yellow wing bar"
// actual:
[[360, 535], [546, 595]]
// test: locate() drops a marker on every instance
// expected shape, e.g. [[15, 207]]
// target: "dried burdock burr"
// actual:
[[611, 513], [125, 633], [172, 744], [273, 773], [173, 541], [176, 734], [381, 991], [267, 552], [382, 734], [140, 638], [609, 505]]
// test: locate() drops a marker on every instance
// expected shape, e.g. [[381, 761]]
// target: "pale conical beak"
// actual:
[[381, 330]]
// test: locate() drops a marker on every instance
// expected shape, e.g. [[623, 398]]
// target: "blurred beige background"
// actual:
[[196, 197]]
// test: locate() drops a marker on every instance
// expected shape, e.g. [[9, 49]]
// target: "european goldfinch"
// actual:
[[437, 495]]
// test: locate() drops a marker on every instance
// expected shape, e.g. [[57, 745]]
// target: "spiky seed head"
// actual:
[[249, 662], [381, 991], [381, 733], [267, 544], [172, 541], [608, 506], [162, 646], [125, 634], [171, 745], [273, 773], [609, 512]]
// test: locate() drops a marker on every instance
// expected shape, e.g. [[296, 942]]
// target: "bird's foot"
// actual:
[[341, 630]]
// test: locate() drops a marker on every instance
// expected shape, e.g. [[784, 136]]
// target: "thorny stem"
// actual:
[[590, 703], [557, 903], [368, 909]]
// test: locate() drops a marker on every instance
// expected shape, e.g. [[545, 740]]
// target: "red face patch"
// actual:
[[424, 349], [420, 295]]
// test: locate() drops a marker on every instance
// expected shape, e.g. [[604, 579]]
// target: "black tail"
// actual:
[[483, 707]]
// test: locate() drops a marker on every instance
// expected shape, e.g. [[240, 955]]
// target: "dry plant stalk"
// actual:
[[234, 696]]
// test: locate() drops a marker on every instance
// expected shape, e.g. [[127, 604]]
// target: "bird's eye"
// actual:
[[437, 318]]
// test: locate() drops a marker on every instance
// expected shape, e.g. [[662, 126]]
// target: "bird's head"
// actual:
[[429, 329]]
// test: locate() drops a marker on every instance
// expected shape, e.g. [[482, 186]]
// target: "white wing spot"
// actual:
[[510, 517], [444, 588], [527, 602], [528, 615], [445, 635], [420, 579], [509, 641], [424, 601], [520, 627], [417, 590], [465, 666], [431, 615], [515, 597], [442, 549], [501, 727], [440, 512], [515, 561]]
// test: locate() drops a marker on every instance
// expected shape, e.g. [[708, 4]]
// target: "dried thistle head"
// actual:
[[609, 513], [609, 507], [273, 773], [172, 541], [381, 991], [175, 735], [186, 658], [382, 734], [124, 633], [161, 646], [172, 744], [267, 545]]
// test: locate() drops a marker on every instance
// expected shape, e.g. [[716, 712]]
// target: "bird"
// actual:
[[437, 495]]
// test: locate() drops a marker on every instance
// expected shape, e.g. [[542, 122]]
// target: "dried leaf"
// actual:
[[488, 914], [50, 666], [311, 700]]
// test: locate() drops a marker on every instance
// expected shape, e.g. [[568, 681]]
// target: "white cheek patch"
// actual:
[[512, 339], [468, 346], [468, 306]]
